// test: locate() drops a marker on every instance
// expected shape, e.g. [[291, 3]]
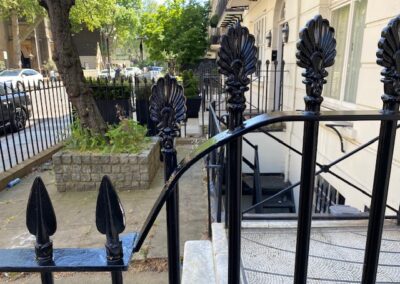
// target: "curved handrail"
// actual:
[[227, 136]]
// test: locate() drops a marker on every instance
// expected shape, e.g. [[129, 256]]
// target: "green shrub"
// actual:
[[214, 21], [111, 90], [190, 84], [126, 137]]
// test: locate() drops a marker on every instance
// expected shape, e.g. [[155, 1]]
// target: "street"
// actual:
[[48, 124]]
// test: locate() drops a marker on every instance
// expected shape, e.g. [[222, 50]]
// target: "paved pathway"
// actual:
[[336, 255], [75, 213]]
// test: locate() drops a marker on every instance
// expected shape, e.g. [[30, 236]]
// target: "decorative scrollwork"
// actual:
[[316, 50], [167, 109], [388, 55], [237, 59]]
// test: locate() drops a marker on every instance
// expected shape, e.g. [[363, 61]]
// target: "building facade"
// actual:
[[23, 44], [353, 82]]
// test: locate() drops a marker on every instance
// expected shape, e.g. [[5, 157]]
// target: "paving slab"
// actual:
[[75, 213], [336, 255]]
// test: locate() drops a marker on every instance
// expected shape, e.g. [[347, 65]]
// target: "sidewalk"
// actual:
[[76, 227]]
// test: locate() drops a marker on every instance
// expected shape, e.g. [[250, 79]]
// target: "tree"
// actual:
[[176, 32], [69, 66], [67, 16]]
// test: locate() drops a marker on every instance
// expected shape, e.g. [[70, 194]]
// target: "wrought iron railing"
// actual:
[[34, 116], [316, 52]]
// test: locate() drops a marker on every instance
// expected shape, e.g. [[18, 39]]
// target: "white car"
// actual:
[[107, 74], [132, 71], [12, 77]]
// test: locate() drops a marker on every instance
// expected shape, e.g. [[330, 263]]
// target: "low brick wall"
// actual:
[[83, 171]]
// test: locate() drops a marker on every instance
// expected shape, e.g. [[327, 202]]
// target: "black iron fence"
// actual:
[[316, 52], [114, 98], [35, 116]]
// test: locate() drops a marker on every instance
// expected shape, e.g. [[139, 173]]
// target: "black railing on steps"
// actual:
[[316, 52]]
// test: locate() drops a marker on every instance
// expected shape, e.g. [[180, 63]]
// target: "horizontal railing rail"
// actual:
[[249, 126]]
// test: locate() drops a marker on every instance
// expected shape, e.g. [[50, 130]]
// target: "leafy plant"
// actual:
[[114, 90], [126, 137], [214, 21], [190, 84]]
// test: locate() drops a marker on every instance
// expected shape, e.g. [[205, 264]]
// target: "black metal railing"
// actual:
[[316, 52], [215, 36], [35, 115]]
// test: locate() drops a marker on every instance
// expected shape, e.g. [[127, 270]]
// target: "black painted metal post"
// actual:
[[41, 222], [168, 109], [275, 78], [388, 57], [281, 85], [259, 86], [315, 53], [237, 60], [266, 85]]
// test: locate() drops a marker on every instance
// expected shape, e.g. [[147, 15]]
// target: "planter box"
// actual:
[[108, 109], [193, 107], [76, 171]]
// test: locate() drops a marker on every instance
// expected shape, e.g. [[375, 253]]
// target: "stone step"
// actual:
[[198, 264], [220, 252]]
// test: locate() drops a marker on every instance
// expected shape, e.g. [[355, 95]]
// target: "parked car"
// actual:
[[153, 72], [107, 74], [132, 71], [15, 108], [12, 77]]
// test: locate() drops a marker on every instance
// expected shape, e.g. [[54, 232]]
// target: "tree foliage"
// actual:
[[118, 17], [176, 32]]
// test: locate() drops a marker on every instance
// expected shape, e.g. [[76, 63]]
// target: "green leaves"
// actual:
[[176, 31], [126, 137]]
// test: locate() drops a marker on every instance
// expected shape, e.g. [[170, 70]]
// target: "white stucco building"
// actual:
[[353, 83]]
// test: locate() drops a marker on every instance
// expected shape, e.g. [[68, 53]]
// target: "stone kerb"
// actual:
[[76, 171]]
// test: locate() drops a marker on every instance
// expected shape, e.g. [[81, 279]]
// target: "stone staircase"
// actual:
[[205, 261]]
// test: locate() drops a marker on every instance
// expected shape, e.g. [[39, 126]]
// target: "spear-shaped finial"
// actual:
[[41, 221], [110, 219]]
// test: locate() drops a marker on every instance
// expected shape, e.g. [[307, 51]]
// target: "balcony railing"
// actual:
[[316, 52]]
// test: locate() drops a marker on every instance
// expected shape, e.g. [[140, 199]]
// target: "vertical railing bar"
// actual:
[[281, 86], [387, 57], [19, 134], [34, 121], [38, 115], [259, 87], [51, 114], [43, 114], [20, 105], [236, 85], [315, 61], [275, 78], [251, 93], [168, 133], [59, 107], [53, 99], [266, 86]]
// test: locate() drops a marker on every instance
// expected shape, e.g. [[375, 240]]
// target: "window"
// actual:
[[348, 21]]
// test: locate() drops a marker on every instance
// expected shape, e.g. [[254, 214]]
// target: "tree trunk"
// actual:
[[16, 59], [69, 66]]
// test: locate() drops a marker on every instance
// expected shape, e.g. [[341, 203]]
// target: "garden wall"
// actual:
[[77, 171]]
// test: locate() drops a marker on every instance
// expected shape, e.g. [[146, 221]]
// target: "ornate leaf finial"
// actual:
[[41, 221], [110, 219], [388, 55], [237, 59], [316, 50], [167, 109]]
